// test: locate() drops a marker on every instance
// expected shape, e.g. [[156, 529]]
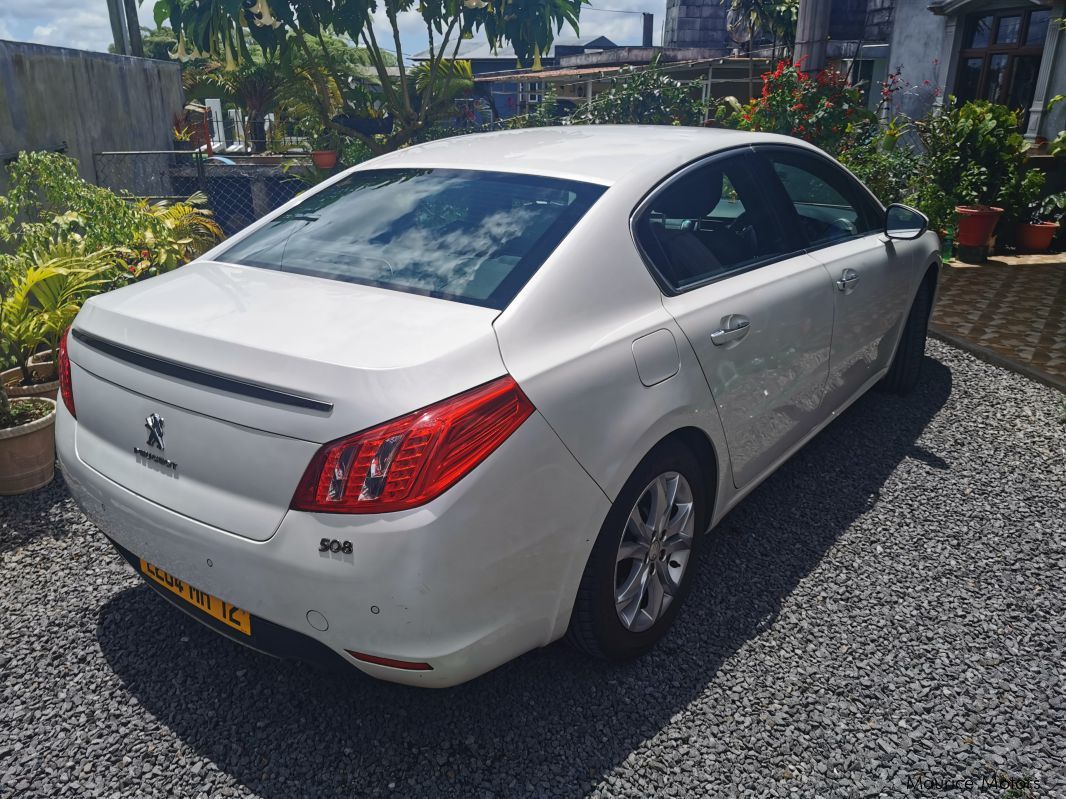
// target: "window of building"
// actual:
[[1000, 57]]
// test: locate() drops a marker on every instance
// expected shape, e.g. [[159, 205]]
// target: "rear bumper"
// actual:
[[465, 583]]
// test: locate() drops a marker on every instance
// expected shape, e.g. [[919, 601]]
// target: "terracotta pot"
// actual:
[[976, 224], [28, 454], [1036, 237], [11, 379], [324, 159]]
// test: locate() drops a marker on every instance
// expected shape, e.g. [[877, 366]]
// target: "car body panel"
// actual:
[[581, 374], [307, 335], [769, 386]]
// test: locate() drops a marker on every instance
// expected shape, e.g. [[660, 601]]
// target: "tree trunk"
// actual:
[[256, 131]]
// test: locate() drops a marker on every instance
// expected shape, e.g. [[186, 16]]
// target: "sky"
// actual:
[[83, 24]]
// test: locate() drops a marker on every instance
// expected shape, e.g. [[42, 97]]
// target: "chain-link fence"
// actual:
[[239, 188]]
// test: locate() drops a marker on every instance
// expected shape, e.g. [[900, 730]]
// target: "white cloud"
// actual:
[[82, 24]]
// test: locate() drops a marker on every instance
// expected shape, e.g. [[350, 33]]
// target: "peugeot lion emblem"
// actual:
[[154, 425]]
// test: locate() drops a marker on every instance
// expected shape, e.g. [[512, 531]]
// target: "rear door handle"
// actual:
[[734, 328], [848, 279]]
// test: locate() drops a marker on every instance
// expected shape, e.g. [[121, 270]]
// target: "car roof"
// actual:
[[605, 154]]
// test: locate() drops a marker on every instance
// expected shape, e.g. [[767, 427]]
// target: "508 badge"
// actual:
[[333, 545]]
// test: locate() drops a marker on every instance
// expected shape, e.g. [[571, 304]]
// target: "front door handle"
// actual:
[[848, 279], [734, 328]]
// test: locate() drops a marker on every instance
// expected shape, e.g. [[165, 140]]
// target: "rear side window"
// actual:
[[830, 206], [709, 222], [461, 235]]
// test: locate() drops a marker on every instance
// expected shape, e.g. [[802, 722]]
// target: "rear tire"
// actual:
[[906, 366], [642, 548]]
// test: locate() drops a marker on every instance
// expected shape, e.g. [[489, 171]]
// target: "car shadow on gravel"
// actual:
[[551, 723]]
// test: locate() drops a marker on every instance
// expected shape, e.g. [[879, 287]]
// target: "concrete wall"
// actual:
[[90, 101], [917, 42], [697, 23]]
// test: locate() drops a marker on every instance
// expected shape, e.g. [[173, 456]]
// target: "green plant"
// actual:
[[42, 291], [972, 154], [1022, 198], [48, 203], [1051, 209], [224, 27], [644, 96], [326, 139], [821, 110], [871, 152]]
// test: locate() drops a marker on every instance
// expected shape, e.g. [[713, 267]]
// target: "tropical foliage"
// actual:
[[42, 291], [224, 30], [64, 240], [48, 202]]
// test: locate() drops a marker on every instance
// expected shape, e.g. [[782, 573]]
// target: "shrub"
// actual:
[[875, 155], [644, 97], [821, 110], [48, 203]]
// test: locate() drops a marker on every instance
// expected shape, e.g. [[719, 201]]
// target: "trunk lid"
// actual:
[[250, 371]]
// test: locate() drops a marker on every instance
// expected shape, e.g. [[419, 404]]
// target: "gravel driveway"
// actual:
[[889, 608]]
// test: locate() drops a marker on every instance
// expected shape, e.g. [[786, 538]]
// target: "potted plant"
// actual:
[[1036, 234], [324, 151], [975, 220], [972, 156], [27, 439], [183, 138], [42, 293]]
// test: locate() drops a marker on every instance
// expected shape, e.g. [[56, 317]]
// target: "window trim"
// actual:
[[788, 207], [1011, 50], [589, 193], [664, 183]]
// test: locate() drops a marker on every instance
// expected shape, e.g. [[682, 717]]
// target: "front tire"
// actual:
[[906, 366], [641, 565]]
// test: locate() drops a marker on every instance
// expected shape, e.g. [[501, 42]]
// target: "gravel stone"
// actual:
[[889, 607]]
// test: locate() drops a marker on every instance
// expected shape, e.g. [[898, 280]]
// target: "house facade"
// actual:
[[1007, 51]]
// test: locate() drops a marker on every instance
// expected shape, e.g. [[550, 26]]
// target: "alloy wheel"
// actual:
[[654, 551]]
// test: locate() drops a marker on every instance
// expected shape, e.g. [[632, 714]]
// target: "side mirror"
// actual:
[[902, 222]]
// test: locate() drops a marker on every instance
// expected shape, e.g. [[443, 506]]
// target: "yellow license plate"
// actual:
[[223, 611]]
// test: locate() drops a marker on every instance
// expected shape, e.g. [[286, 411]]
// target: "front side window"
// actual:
[[830, 206], [707, 223], [461, 235]]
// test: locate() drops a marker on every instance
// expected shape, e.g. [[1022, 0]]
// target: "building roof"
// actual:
[[480, 50], [605, 154], [609, 65]]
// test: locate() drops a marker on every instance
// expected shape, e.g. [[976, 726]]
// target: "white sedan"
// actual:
[[474, 396]]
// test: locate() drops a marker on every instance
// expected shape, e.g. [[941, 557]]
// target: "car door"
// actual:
[[844, 229], [757, 310]]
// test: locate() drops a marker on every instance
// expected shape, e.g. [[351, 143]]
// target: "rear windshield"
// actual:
[[463, 235]]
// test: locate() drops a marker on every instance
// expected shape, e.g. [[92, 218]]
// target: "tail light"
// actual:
[[63, 369], [416, 458]]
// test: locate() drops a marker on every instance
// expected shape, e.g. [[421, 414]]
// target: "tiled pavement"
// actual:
[[1011, 310]]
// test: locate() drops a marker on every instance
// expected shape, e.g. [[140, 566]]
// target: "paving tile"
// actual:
[[1014, 306]]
